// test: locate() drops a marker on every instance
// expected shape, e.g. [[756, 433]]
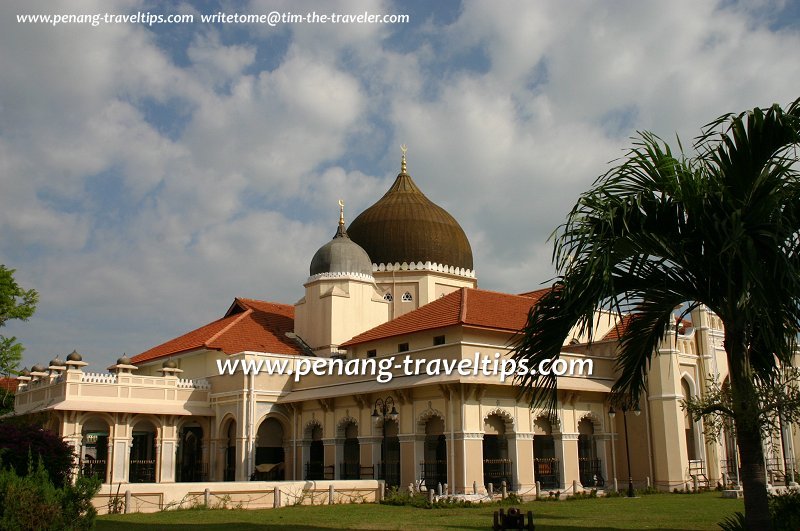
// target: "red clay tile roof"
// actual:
[[622, 325], [248, 325], [9, 384], [619, 329], [468, 307]]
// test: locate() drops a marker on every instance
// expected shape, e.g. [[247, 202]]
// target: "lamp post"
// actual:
[[637, 412], [381, 412]]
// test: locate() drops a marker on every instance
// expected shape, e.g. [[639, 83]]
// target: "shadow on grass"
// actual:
[[110, 525]]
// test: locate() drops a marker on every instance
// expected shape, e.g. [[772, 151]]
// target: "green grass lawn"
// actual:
[[661, 511]]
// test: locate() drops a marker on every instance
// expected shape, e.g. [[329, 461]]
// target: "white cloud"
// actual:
[[140, 195]]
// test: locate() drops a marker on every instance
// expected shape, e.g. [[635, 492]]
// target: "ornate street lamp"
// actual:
[[381, 412], [637, 412]]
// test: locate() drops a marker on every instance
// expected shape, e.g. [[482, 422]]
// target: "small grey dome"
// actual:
[[38, 368], [24, 372], [341, 255], [57, 362], [169, 364], [74, 356], [124, 360]]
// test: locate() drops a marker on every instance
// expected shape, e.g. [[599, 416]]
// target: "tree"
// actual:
[[720, 228], [23, 441], [15, 303]]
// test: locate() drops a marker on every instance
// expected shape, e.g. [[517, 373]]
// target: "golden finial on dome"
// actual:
[[341, 212], [403, 148]]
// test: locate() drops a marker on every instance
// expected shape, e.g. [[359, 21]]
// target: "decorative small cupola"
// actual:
[[57, 366], [123, 366], [75, 361], [170, 368], [24, 377]]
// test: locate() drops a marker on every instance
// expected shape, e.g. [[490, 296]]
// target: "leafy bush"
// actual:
[[19, 442], [583, 495], [735, 522], [33, 502], [785, 511]]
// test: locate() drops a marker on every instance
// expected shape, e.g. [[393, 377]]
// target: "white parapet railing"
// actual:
[[198, 383], [98, 377]]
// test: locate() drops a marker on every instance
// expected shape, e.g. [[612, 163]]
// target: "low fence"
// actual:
[[153, 497]]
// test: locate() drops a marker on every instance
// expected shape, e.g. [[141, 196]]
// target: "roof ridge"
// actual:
[[504, 294], [239, 317]]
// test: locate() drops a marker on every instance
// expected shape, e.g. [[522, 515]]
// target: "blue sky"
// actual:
[[150, 175]]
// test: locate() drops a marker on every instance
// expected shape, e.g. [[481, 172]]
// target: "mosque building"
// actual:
[[397, 283]]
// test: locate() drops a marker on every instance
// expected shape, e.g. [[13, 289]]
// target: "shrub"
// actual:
[[735, 522], [19, 442], [33, 502], [785, 511]]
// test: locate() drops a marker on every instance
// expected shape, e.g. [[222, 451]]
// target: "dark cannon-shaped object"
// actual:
[[513, 519]]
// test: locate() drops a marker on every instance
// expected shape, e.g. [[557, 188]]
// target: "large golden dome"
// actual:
[[406, 226]]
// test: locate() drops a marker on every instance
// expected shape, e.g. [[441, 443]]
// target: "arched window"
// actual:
[[588, 460], [546, 465], [688, 425], [407, 297], [434, 466], [496, 464], [388, 296]]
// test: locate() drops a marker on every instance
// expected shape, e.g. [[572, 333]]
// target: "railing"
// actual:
[[199, 383], [390, 473], [349, 470], [142, 471], [697, 471], [546, 472], [496, 471], [193, 473], [433, 473], [775, 470], [315, 471], [590, 472], [729, 467], [272, 472], [94, 468], [98, 377]]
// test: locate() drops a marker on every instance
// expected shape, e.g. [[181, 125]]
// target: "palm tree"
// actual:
[[721, 228]]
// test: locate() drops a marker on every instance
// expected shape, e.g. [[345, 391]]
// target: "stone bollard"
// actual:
[[207, 497], [381, 490], [127, 501], [430, 495], [648, 482], [574, 486], [724, 480], [695, 484], [538, 488], [330, 494], [439, 489], [503, 490], [474, 487], [490, 488], [276, 502], [411, 488], [446, 489], [616, 485]]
